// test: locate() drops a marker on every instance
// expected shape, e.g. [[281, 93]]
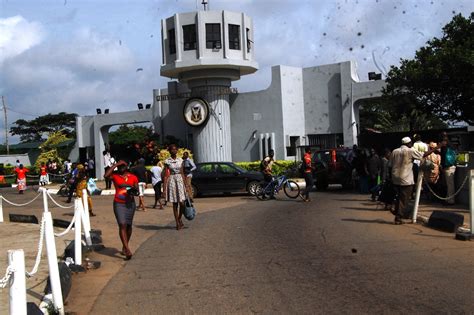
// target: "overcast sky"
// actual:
[[76, 55]]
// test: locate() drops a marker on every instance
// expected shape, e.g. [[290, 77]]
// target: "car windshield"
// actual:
[[239, 168]]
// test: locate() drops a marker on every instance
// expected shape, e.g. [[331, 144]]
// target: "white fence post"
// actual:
[[16, 259], [419, 183], [77, 233], [85, 218], [53, 262], [45, 200], [1, 209], [471, 199]]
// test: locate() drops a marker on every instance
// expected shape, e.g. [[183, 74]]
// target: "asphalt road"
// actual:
[[334, 255]]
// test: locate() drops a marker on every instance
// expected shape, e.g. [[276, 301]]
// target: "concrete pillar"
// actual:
[[101, 139], [212, 142]]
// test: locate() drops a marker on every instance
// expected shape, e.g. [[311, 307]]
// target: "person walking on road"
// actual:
[[174, 189], [81, 185], [140, 172], [107, 164], [157, 182], [126, 186], [308, 175], [21, 178], [189, 167]]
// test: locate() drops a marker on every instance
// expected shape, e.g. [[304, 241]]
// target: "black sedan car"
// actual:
[[223, 177]]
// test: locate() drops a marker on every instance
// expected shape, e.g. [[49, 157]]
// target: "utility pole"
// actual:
[[6, 124]]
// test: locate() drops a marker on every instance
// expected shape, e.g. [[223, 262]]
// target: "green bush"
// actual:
[[289, 168]]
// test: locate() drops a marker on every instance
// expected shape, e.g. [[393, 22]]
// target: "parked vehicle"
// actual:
[[331, 167], [224, 177]]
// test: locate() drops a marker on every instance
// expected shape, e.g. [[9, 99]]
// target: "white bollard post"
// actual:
[[53, 263], [45, 200], [471, 199], [86, 219], [77, 233], [419, 183], [16, 259], [1, 209]]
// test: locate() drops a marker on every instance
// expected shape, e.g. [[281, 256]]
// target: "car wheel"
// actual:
[[252, 187], [322, 184]]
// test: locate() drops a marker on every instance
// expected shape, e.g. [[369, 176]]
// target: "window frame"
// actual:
[[212, 40], [172, 41], [188, 37], [234, 36]]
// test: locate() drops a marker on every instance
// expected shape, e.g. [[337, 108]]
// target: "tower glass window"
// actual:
[[172, 41], [249, 41], [189, 37], [213, 36], [234, 36]]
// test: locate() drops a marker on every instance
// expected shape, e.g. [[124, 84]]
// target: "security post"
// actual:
[[16, 259], [419, 183], [85, 218]]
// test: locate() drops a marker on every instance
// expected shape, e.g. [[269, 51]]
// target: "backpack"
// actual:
[[302, 168], [451, 157], [263, 165]]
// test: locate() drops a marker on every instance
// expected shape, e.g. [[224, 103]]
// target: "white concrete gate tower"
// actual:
[[208, 50]]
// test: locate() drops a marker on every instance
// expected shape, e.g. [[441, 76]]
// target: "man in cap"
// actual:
[[402, 175]]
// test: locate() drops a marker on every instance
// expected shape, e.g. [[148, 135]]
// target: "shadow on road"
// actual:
[[378, 221], [363, 209], [154, 227]]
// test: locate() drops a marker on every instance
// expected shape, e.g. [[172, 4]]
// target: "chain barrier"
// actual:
[[57, 204], [449, 197], [58, 175], [33, 176], [40, 250], [6, 280], [9, 175], [67, 229], [20, 204]]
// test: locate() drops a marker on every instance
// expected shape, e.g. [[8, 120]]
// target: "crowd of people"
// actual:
[[400, 168]]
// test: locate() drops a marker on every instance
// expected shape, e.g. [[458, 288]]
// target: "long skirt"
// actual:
[[175, 190], [21, 184]]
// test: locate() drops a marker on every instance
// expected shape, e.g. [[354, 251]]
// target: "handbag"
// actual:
[[189, 211]]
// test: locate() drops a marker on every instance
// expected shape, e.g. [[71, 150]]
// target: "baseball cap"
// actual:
[[406, 140]]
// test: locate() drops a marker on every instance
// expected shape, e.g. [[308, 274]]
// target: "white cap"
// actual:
[[406, 140]]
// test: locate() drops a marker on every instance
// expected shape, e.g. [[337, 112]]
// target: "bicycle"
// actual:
[[290, 187]]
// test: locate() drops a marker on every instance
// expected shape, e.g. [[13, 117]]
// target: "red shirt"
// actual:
[[43, 170], [21, 173], [307, 161], [121, 182]]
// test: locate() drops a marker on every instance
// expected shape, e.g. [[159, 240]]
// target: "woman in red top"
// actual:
[[126, 186], [21, 178]]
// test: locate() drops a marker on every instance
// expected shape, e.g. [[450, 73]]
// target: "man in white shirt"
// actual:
[[107, 164], [402, 175]]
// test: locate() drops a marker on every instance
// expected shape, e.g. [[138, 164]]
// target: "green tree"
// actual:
[[35, 129], [130, 135], [439, 79], [49, 148]]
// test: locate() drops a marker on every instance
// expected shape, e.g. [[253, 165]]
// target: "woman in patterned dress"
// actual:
[[174, 188]]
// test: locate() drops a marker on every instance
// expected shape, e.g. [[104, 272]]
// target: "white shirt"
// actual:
[[421, 147], [402, 165], [107, 160], [155, 175]]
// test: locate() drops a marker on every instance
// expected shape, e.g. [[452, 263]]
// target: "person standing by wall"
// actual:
[[157, 182], [21, 178], [189, 167], [140, 172], [308, 174], [174, 188], [91, 167], [126, 184], [374, 167], [107, 165]]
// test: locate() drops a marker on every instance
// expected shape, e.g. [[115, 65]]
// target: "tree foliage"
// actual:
[[35, 129], [49, 148], [439, 79], [131, 134]]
